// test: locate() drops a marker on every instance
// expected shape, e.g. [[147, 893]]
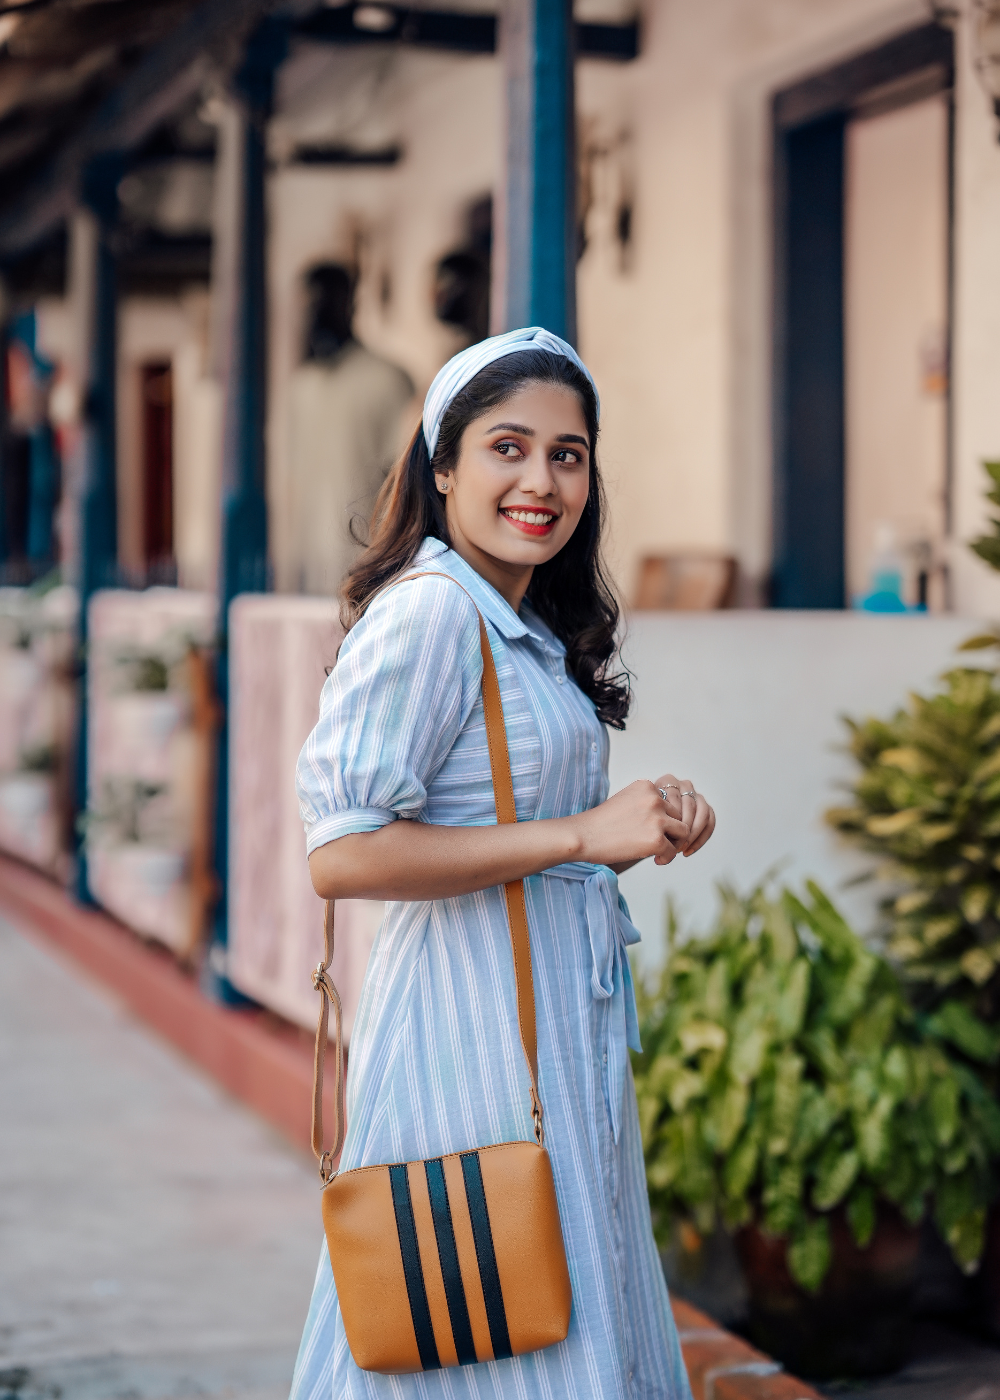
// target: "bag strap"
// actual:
[[517, 915]]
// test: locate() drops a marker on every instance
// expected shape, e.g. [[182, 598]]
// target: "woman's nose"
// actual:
[[537, 477]]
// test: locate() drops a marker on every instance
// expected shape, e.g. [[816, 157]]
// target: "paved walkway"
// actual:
[[157, 1241]]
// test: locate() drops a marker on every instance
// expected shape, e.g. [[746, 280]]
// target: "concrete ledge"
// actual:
[[268, 1066], [261, 1061]]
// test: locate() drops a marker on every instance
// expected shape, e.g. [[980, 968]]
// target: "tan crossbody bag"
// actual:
[[460, 1258]]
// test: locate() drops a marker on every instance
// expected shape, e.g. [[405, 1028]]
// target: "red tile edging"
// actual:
[[269, 1068], [722, 1366]]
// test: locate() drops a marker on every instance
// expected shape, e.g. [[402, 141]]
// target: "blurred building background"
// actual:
[[237, 240]]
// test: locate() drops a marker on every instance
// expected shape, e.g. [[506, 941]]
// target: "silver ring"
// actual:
[[663, 791], [692, 793]]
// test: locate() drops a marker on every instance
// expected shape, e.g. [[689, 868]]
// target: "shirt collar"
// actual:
[[437, 555], [488, 600]]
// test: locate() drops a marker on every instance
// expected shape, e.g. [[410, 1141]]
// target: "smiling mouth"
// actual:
[[530, 522]]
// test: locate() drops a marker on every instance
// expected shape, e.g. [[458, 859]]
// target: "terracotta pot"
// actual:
[[858, 1324]]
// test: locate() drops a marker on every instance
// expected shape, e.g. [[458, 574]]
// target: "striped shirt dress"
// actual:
[[436, 1064]]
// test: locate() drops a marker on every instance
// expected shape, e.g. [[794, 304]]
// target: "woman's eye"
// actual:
[[506, 449], [566, 454]]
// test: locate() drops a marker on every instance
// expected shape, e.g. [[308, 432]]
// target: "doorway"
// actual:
[[158, 472], [862, 302]]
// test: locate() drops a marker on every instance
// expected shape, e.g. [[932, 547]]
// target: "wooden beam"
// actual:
[[170, 74], [837, 89]]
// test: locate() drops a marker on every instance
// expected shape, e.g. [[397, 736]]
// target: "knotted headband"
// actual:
[[454, 376]]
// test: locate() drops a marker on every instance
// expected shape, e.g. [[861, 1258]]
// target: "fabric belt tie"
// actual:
[[611, 933]]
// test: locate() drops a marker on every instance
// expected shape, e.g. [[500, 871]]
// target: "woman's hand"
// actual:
[[632, 825], [639, 822], [682, 801]]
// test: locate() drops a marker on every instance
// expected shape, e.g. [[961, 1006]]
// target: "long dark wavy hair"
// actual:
[[571, 593]]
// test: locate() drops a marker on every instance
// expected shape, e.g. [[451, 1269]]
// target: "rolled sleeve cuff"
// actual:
[[345, 824]]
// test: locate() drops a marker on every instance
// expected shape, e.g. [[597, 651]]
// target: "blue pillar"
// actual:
[[43, 494], [43, 474], [535, 282], [99, 499], [243, 563], [4, 444], [43, 469]]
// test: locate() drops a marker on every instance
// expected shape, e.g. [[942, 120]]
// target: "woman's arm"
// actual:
[[409, 860]]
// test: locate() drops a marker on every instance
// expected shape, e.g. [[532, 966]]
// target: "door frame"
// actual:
[[807, 569]]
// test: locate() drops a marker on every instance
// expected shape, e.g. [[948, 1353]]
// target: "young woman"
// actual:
[[500, 490]]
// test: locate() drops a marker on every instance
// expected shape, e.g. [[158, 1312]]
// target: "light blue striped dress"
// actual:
[[436, 1064]]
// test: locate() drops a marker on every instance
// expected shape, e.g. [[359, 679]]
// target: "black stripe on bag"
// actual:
[[417, 1294], [454, 1290], [489, 1275]]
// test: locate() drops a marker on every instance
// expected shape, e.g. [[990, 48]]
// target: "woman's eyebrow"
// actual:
[[511, 428], [573, 437]]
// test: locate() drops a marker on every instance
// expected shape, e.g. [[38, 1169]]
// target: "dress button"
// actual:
[[593, 748], [560, 679], [605, 1057]]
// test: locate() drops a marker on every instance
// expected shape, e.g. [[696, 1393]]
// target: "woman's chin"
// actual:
[[522, 551]]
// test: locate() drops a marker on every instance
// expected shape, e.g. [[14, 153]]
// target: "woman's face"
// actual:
[[520, 484]]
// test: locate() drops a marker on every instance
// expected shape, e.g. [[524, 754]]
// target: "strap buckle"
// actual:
[[536, 1116], [326, 1171]]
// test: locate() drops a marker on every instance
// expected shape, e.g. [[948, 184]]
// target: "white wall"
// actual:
[[748, 707]]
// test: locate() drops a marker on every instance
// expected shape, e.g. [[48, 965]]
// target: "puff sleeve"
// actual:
[[406, 680]]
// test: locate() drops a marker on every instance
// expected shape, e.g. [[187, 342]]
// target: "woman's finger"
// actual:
[[668, 784], [676, 832], [705, 835], [667, 855], [689, 801], [701, 811]]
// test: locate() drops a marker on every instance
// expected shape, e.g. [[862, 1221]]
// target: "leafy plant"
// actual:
[[151, 669], [988, 546], [145, 671], [119, 815], [784, 1075], [927, 803]]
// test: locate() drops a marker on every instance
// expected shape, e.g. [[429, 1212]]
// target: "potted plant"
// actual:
[[787, 1088], [926, 805]]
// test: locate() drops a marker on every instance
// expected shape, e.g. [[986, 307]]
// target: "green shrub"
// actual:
[[784, 1074], [988, 546], [927, 804]]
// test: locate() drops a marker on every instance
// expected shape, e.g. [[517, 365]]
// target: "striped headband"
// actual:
[[464, 366]]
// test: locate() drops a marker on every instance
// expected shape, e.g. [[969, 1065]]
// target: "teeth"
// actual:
[[528, 517]]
